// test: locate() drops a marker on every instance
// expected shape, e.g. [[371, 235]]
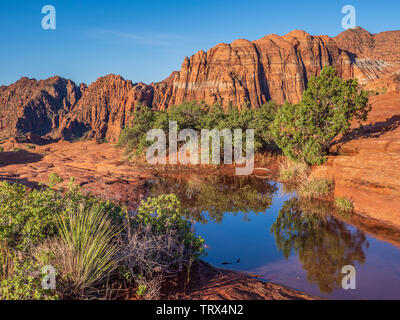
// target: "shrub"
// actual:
[[316, 188], [148, 288], [25, 283], [165, 214], [90, 248], [134, 135], [147, 252], [305, 131], [27, 218], [197, 116], [344, 204]]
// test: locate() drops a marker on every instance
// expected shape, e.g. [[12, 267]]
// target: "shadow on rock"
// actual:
[[18, 157], [373, 130]]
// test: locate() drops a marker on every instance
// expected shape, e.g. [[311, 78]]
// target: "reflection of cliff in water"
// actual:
[[217, 195], [322, 243]]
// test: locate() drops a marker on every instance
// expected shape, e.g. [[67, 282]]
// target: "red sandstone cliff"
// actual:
[[105, 107], [35, 107], [271, 68]]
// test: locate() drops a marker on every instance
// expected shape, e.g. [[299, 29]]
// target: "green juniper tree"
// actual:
[[305, 131]]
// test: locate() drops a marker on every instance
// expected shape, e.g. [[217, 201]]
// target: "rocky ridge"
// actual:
[[243, 72]]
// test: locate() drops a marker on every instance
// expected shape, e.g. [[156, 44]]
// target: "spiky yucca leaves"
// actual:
[[89, 235]]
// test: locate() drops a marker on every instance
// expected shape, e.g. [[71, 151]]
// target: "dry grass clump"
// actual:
[[344, 204], [6, 261], [316, 187], [293, 172]]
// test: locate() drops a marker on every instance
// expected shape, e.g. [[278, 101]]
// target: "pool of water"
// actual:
[[255, 225]]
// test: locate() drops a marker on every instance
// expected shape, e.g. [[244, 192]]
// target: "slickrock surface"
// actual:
[[99, 168], [368, 168]]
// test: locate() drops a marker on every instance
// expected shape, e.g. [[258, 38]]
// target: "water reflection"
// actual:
[[322, 243], [307, 229], [214, 196]]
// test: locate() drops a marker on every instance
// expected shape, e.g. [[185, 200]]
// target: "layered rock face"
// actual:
[[243, 72], [381, 46], [374, 55], [105, 107], [272, 68], [36, 107]]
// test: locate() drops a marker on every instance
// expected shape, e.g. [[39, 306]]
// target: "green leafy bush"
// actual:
[[328, 107], [27, 218], [164, 214], [25, 283], [197, 116]]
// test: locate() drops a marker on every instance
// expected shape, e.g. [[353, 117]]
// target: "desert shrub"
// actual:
[[88, 247], [27, 218], [344, 204], [164, 214], [197, 116], [148, 288], [293, 172], [147, 252], [305, 131], [25, 283], [316, 188], [159, 243], [134, 136]]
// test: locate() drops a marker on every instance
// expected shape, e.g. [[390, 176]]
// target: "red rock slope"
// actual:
[[368, 168]]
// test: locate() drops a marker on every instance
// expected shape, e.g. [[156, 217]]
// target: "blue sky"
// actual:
[[147, 40]]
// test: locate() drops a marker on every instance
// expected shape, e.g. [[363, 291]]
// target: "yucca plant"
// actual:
[[90, 237]]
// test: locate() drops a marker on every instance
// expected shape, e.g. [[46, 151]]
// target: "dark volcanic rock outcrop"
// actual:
[[271, 68]]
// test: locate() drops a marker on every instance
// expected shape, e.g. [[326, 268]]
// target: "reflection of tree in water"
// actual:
[[218, 194], [323, 244]]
